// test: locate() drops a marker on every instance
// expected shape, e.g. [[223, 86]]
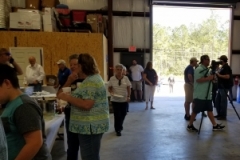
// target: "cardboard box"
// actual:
[[49, 3], [32, 4], [25, 16], [23, 20], [32, 11], [25, 25]]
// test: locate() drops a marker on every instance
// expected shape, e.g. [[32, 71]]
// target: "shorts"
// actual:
[[137, 85], [188, 88], [202, 105]]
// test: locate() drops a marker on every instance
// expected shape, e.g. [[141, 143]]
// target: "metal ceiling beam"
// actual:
[[110, 38]]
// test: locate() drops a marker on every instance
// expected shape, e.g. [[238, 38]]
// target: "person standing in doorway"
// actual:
[[34, 75], [63, 73], [119, 88], [136, 73], [188, 86], [151, 79], [171, 82]]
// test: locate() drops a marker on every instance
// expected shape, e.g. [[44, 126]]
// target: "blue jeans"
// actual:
[[221, 102], [72, 138], [90, 146]]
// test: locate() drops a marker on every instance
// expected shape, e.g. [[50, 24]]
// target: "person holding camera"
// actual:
[[202, 97], [225, 83]]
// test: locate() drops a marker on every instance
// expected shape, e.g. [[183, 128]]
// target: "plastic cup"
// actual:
[[67, 90]]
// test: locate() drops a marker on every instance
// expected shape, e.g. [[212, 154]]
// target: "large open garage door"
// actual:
[[175, 40]]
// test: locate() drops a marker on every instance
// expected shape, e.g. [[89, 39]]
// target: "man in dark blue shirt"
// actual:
[[63, 73], [188, 86]]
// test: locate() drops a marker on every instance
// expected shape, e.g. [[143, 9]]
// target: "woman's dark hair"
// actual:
[[8, 73], [149, 65], [88, 64]]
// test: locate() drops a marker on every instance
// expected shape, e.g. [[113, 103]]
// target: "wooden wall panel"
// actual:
[[38, 39], [58, 45], [87, 43]]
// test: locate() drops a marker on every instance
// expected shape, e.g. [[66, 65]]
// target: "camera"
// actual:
[[214, 65]]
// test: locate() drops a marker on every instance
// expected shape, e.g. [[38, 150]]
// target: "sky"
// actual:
[[175, 16]]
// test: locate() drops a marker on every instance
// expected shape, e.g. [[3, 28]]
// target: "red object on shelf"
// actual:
[[66, 22], [78, 16], [63, 11]]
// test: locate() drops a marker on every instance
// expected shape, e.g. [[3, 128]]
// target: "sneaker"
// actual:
[[187, 118], [218, 127], [119, 134], [192, 128]]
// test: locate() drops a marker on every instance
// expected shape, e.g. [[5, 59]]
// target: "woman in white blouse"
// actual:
[[119, 88]]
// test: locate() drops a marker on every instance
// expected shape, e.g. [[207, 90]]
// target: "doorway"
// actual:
[[127, 58], [180, 33]]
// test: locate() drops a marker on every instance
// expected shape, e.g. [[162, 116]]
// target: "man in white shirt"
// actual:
[[34, 75], [136, 73]]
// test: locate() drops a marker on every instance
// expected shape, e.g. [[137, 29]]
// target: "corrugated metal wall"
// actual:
[[124, 35]]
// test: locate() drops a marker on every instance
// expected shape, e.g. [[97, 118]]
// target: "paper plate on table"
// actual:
[[118, 96]]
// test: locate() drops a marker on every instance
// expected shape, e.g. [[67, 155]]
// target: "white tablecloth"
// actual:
[[52, 127], [52, 95]]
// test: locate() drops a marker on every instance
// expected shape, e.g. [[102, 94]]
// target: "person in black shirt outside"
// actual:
[[63, 73], [73, 79], [225, 82], [151, 79]]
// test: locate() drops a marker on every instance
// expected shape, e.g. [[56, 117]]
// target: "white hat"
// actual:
[[61, 61]]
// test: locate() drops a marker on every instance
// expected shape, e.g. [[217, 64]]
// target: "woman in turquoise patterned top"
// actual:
[[90, 112]]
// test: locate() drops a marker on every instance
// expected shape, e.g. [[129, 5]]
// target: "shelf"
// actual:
[[117, 13]]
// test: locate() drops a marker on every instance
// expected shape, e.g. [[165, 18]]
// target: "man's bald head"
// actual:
[[32, 60]]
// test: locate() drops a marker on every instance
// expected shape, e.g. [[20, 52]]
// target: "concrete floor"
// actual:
[[161, 135]]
